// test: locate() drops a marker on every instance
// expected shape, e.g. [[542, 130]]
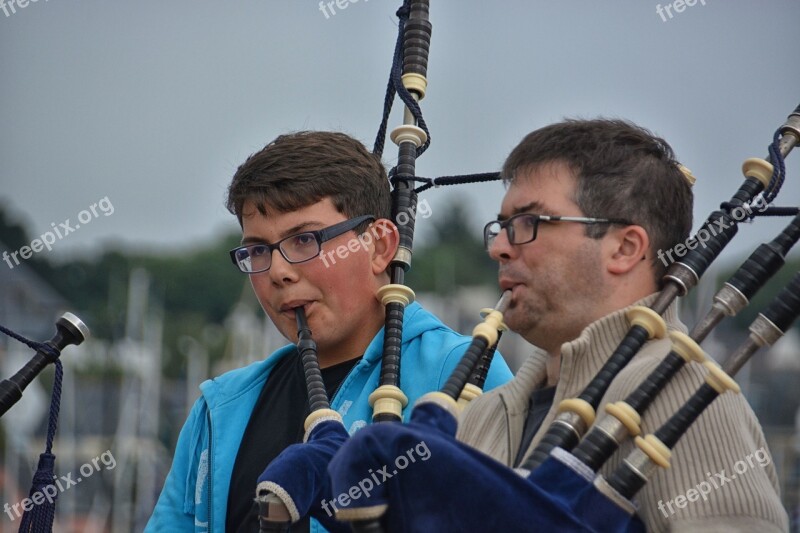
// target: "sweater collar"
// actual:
[[585, 354]]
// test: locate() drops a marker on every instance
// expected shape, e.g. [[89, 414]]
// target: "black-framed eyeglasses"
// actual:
[[522, 228], [297, 248]]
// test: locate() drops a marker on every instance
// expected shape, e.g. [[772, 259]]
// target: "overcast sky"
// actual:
[[154, 104]]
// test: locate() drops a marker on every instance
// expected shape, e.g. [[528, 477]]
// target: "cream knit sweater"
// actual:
[[725, 448]]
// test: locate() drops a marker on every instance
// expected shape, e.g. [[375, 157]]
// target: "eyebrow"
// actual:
[[298, 228], [531, 206]]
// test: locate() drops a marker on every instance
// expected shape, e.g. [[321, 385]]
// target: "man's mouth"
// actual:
[[514, 286]]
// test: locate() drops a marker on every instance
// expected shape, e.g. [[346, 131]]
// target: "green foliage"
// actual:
[[454, 258], [11, 234], [194, 287], [14, 236]]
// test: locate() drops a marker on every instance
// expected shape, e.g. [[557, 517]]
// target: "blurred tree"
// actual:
[[14, 237], [195, 287], [455, 257], [12, 234]]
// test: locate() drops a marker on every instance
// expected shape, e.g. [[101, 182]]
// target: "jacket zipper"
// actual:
[[210, 477]]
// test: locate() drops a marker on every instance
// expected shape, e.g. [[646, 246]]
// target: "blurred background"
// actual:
[[122, 124]]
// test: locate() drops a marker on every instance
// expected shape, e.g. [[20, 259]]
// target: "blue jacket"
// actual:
[[195, 494]]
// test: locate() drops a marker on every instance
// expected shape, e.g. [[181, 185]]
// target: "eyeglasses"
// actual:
[[298, 248], [522, 228]]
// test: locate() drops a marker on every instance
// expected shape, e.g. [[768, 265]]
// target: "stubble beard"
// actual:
[[525, 318]]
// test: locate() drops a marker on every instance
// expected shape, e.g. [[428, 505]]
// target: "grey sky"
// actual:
[[154, 104]]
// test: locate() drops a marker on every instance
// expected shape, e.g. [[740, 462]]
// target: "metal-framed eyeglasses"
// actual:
[[522, 228], [297, 248]]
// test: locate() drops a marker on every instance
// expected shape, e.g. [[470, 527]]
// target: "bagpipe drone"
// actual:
[[69, 330]]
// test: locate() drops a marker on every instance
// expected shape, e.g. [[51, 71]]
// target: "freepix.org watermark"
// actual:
[[329, 6], [737, 213], [679, 6], [48, 238], [9, 7], [374, 233], [366, 485], [715, 482], [60, 484]]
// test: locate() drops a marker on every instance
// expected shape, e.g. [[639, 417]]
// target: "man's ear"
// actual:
[[385, 239], [626, 247]]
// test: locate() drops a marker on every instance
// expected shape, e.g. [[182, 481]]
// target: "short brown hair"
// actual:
[[299, 169], [622, 171]]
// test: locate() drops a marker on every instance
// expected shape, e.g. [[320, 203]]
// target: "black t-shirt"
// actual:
[[275, 423], [540, 402]]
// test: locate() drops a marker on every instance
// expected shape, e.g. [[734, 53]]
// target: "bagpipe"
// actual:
[[70, 330], [557, 486], [296, 482]]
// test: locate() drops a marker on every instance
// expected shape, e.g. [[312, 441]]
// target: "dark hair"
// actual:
[[299, 169], [622, 171]]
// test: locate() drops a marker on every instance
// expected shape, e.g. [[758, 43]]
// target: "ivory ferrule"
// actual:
[[623, 420], [408, 133], [396, 293], [655, 450], [760, 169], [577, 414], [388, 399], [686, 347], [648, 319], [468, 393], [718, 379], [416, 84]]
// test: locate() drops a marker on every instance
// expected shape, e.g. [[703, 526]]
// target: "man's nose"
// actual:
[[500, 248]]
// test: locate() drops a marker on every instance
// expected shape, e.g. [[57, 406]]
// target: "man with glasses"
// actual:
[[588, 206], [301, 195]]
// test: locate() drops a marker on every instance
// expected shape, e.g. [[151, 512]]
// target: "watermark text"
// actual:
[[341, 4], [374, 233], [9, 7], [703, 235], [715, 482], [366, 485], [48, 238], [679, 6], [50, 492]]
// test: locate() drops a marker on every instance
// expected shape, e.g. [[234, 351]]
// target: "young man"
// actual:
[[301, 197], [571, 282]]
